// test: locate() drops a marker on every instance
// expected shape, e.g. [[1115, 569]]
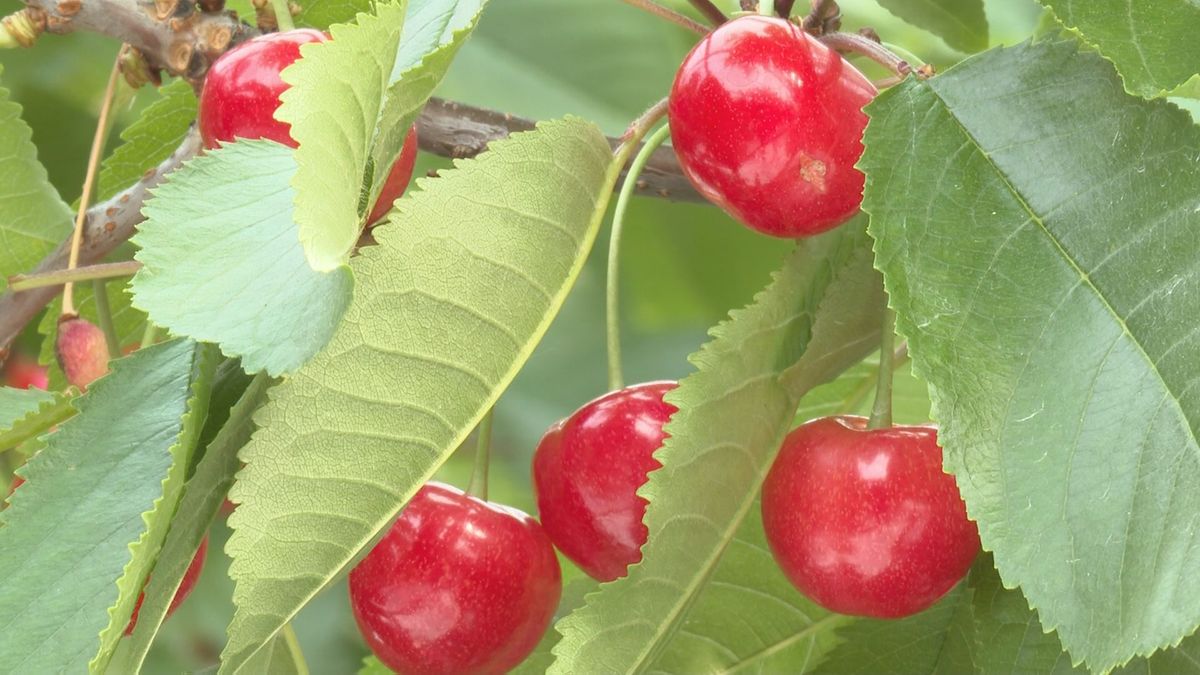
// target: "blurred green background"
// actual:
[[684, 266]]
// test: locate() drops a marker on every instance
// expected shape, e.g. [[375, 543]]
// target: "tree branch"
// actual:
[[457, 130], [172, 35], [108, 224], [445, 128]]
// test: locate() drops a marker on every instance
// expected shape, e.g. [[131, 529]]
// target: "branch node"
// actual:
[[22, 28]]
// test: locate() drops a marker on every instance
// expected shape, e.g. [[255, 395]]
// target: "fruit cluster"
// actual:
[[767, 123]]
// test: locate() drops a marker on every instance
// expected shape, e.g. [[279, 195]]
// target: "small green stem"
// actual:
[[283, 15], [150, 335], [613, 282], [293, 647], [483, 452], [881, 412], [104, 315]]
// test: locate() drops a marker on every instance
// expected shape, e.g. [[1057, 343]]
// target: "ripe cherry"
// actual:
[[767, 123], [457, 585], [81, 350], [587, 470], [241, 93], [185, 586], [864, 521], [23, 372]]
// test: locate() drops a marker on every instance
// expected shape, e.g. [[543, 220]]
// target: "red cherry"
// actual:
[[241, 90], [864, 521], [185, 586], [587, 470], [81, 350], [241, 93], [397, 179], [457, 585], [767, 123], [24, 372]]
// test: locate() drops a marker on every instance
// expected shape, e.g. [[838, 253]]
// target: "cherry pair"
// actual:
[[863, 521]]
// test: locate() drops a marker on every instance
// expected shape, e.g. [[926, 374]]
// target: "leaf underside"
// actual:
[[820, 315], [430, 340]]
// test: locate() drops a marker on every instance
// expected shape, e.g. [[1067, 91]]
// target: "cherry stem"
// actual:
[[665, 13], [881, 412], [68, 306], [293, 645], [478, 486], [784, 7], [27, 282], [613, 281], [105, 319], [710, 11], [283, 16], [865, 46], [150, 335]]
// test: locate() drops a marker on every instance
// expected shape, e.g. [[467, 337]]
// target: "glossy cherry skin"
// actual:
[[865, 521], [241, 93], [397, 179], [586, 473], [456, 586], [241, 90], [190, 576], [767, 123], [23, 372]]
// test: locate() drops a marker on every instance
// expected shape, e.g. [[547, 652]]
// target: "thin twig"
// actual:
[[89, 179], [109, 224], [710, 11], [445, 128], [668, 14], [26, 282], [784, 7]]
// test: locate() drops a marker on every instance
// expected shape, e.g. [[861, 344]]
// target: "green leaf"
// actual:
[[333, 101], [962, 24], [281, 656], [146, 549], [149, 140], [201, 501], [262, 302], [79, 536], [980, 627], [1045, 276], [1152, 42], [33, 219], [431, 339], [351, 103], [25, 413], [820, 315], [373, 666], [324, 13], [433, 33], [938, 640], [541, 657], [749, 618]]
